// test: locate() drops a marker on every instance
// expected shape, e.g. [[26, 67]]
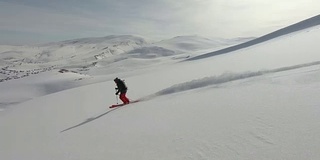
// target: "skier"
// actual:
[[122, 89]]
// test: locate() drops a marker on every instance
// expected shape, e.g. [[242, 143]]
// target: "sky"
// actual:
[[41, 21]]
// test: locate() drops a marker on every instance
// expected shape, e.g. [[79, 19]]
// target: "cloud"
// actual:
[[157, 18]]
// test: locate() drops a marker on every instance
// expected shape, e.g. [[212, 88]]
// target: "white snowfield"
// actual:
[[259, 102]]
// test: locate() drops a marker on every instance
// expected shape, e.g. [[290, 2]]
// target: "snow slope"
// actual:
[[261, 102], [313, 21]]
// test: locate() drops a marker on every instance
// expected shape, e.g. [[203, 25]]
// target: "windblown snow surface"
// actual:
[[259, 102]]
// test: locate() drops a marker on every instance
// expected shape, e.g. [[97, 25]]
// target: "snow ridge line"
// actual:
[[224, 78], [308, 23]]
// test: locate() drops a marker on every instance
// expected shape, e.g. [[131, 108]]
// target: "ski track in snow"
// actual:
[[224, 78]]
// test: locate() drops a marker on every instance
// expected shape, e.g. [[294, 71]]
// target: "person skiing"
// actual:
[[122, 89]]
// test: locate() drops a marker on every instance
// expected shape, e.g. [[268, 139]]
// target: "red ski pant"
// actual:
[[123, 98]]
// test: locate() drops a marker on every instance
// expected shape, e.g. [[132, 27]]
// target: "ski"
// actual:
[[119, 105]]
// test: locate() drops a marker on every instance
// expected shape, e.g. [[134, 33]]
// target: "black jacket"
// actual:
[[121, 86]]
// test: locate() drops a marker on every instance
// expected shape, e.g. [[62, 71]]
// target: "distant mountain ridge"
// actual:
[[84, 54]]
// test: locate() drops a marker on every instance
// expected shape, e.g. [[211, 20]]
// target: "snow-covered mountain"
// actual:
[[87, 53], [260, 102], [84, 51], [195, 43]]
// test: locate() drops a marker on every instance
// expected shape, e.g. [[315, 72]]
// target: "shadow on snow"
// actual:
[[88, 120]]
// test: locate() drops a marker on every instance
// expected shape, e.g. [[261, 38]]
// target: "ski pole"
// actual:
[[117, 98], [116, 95]]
